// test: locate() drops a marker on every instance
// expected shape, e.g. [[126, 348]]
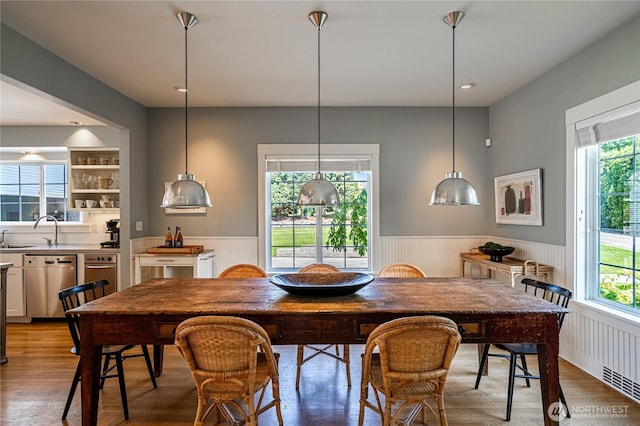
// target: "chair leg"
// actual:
[[200, 411], [347, 363], [123, 388], [564, 401], [105, 368], [299, 364], [483, 361], [147, 360], [526, 369], [72, 391], [512, 377]]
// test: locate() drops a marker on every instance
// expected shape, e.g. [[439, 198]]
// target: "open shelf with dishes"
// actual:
[[94, 179]]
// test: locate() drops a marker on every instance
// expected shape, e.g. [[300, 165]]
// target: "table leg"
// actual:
[[90, 358], [158, 359], [549, 374], [485, 369]]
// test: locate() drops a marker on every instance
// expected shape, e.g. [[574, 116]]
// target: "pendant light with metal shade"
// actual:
[[186, 192], [318, 191], [454, 190]]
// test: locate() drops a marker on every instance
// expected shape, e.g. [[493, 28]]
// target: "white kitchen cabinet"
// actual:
[[15, 285], [197, 265], [94, 179], [205, 266]]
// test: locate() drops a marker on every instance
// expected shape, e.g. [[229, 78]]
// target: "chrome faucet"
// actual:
[[35, 225], [2, 240]]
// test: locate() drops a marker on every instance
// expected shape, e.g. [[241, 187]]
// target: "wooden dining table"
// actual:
[[485, 310]]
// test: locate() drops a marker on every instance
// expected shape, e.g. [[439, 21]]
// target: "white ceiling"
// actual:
[[264, 53]]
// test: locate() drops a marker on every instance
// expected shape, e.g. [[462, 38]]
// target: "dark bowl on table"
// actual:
[[322, 284], [496, 253]]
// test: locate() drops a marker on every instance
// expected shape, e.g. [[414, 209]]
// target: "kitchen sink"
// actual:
[[14, 246]]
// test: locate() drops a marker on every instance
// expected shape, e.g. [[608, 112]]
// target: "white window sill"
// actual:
[[606, 314]]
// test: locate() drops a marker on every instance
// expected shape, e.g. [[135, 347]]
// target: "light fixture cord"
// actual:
[[453, 100], [319, 100], [186, 102]]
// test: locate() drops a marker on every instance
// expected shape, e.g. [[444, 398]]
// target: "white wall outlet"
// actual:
[[487, 142], [139, 225]]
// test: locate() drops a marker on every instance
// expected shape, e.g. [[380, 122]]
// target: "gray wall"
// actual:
[[27, 63], [415, 154], [528, 127]]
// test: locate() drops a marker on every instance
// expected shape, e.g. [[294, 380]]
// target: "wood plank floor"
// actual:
[[35, 382]]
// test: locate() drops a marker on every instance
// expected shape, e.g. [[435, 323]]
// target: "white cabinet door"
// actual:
[[15, 285], [205, 266], [15, 293]]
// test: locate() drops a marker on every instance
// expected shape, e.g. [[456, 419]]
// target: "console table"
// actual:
[[510, 266], [201, 264]]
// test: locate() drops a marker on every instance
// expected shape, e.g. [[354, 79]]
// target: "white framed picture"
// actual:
[[519, 198], [194, 210]]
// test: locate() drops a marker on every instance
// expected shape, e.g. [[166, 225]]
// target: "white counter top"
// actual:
[[61, 248], [202, 253]]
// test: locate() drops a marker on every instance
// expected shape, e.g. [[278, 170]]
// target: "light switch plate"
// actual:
[[139, 225]]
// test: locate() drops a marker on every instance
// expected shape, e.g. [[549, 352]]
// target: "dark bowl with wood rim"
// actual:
[[495, 254], [322, 284]]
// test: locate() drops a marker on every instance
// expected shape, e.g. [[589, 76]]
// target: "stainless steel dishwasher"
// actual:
[[44, 276]]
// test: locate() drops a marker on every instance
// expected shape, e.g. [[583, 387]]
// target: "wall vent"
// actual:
[[621, 383]]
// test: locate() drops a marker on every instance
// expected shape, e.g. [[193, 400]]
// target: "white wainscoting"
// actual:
[[603, 345], [439, 256]]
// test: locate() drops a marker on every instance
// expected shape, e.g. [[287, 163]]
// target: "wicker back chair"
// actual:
[[243, 270], [78, 295], [551, 293], [411, 367], [404, 270], [320, 268], [231, 359]]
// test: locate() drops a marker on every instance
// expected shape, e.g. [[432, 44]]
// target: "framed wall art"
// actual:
[[195, 210], [519, 198]]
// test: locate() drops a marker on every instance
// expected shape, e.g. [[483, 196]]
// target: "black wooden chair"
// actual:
[[552, 293], [78, 295]]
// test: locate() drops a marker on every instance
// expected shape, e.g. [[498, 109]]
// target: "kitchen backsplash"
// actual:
[[91, 231]]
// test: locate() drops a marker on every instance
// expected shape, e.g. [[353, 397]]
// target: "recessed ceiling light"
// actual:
[[180, 89], [467, 85]]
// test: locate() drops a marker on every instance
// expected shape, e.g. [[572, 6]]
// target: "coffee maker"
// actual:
[[113, 229]]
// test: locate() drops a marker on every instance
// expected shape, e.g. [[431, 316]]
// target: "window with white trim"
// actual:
[[34, 189], [606, 180], [295, 236]]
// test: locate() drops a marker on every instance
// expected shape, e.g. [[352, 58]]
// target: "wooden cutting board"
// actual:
[[174, 250]]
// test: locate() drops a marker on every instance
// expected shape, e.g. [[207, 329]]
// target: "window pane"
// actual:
[[614, 212], [23, 199], [343, 244], [619, 217], [616, 285], [616, 250], [30, 212], [616, 175]]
